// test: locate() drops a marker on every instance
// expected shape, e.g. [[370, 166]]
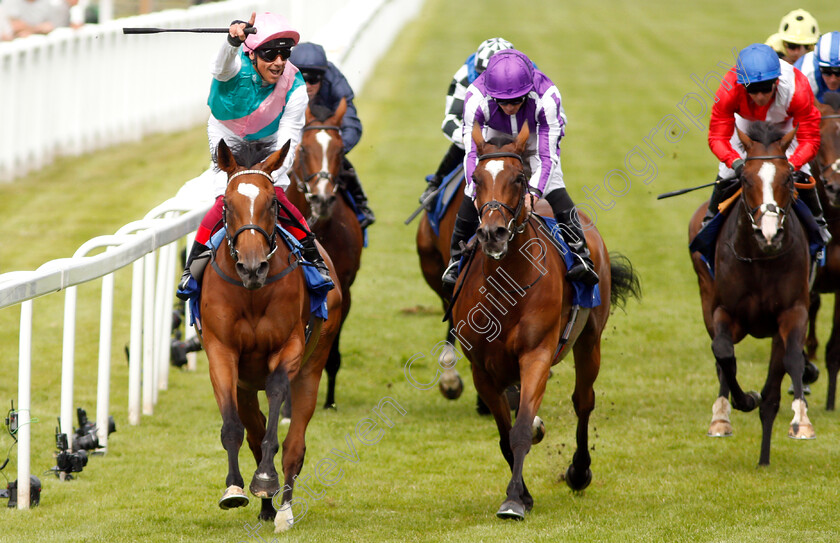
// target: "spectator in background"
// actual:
[[6, 32], [29, 17]]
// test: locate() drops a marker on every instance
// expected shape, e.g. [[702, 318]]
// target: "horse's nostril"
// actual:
[[263, 268], [500, 232], [240, 268]]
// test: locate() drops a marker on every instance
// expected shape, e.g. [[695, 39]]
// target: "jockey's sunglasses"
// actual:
[[269, 54], [830, 70], [510, 101], [760, 87], [311, 77], [795, 46]]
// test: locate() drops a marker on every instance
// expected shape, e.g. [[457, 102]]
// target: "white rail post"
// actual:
[[149, 389], [103, 390], [24, 401], [135, 350], [68, 359]]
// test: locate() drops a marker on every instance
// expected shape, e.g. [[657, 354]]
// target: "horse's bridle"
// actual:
[[767, 208], [513, 226], [270, 238], [303, 184]]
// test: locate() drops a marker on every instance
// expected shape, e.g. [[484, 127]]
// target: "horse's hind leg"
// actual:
[[832, 355], [332, 366], [587, 365], [811, 342], [265, 482]]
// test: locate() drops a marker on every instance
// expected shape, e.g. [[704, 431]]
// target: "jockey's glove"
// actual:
[[738, 166]]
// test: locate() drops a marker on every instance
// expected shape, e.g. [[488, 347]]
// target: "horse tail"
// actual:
[[624, 281]]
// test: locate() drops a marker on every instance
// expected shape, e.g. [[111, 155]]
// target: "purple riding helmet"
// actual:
[[509, 74]]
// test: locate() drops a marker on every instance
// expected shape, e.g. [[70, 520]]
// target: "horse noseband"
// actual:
[[270, 238]]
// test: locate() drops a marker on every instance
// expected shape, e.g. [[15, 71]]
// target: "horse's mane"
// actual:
[[764, 133], [321, 112], [248, 153], [832, 99]]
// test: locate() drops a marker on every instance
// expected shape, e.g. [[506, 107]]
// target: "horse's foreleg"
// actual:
[[450, 384], [253, 419], [811, 342], [304, 399], [721, 426], [771, 393], [832, 355], [223, 375], [533, 377], [792, 327], [723, 348], [496, 402], [265, 482]]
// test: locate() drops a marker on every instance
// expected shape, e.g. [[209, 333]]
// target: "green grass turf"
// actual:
[[437, 474]]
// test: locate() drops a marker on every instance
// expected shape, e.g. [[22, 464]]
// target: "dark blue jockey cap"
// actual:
[[309, 57]]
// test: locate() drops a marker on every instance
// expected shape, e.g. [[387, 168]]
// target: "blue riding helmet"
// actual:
[[756, 63], [309, 57], [828, 50]]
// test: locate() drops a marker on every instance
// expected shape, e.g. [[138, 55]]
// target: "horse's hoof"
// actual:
[[537, 430], [575, 482], [264, 486], [285, 421], [720, 428], [234, 496], [451, 385], [811, 373], [511, 510], [802, 431], [756, 401], [330, 406]]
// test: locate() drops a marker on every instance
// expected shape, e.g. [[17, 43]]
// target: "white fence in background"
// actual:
[[75, 91]]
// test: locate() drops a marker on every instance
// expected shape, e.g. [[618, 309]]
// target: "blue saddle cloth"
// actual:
[[315, 284], [449, 186], [583, 295], [359, 215], [706, 239]]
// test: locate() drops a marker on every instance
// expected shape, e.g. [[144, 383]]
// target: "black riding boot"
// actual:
[[310, 253], [583, 269], [466, 223], [198, 253], [812, 200], [453, 157], [354, 187], [720, 192]]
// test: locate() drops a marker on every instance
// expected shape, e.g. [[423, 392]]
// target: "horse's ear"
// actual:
[[787, 138], [309, 116], [478, 138], [276, 159], [224, 158], [744, 139], [522, 139], [340, 111]]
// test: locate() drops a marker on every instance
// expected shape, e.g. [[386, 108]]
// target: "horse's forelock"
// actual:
[[248, 153], [764, 133]]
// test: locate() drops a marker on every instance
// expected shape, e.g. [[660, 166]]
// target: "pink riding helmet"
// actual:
[[509, 74], [270, 26]]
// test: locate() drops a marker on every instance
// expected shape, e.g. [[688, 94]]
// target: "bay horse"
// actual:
[[254, 310], [826, 172], [759, 286], [519, 342], [433, 250], [317, 193]]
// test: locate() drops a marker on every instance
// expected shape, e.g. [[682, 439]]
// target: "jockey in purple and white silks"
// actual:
[[509, 94], [453, 118], [256, 96]]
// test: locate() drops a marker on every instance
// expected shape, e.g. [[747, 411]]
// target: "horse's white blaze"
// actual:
[[249, 191], [769, 220], [493, 167], [284, 518]]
